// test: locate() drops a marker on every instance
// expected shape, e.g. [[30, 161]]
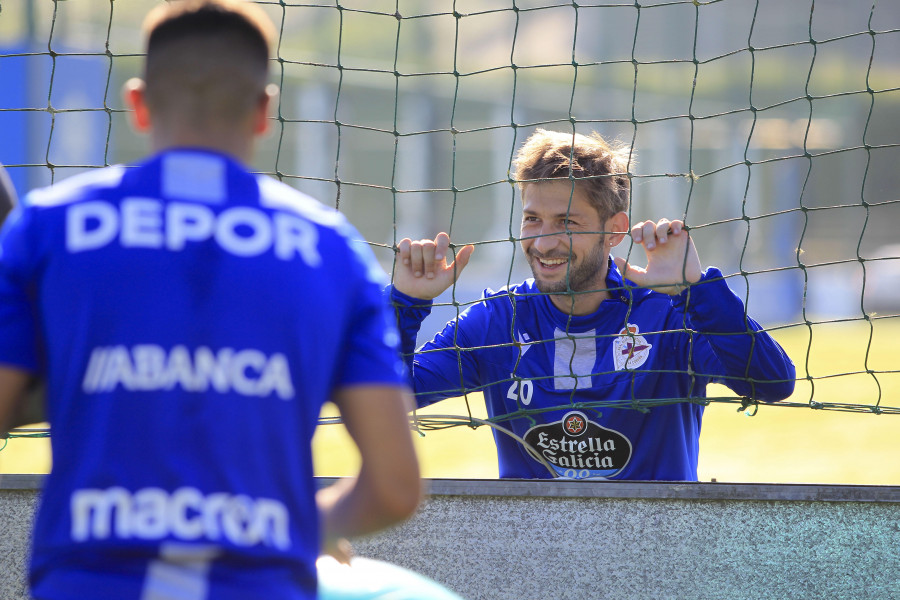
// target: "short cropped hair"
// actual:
[[207, 57], [593, 164]]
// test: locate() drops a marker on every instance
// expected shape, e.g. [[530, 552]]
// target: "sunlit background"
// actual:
[[771, 127]]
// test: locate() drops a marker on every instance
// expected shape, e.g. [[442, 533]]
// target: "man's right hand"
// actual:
[[422, 270]]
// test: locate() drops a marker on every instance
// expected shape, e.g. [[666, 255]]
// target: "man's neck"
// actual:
[[579, 303], [585, 303], [237, 146]]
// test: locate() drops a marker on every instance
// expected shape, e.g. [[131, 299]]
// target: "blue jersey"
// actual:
[[190, 319], [617, 394]]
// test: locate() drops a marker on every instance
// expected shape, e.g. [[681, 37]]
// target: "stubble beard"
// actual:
[[580, 278]]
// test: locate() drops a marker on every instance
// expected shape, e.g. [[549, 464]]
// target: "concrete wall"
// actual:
[[532, 540]]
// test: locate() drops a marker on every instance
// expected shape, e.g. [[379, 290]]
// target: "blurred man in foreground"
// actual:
[[190, 319]]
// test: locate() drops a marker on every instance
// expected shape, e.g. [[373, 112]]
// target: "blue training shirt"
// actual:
[[190, 319], [641, 358]]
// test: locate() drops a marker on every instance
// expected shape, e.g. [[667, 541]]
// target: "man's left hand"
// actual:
[[672, 260]]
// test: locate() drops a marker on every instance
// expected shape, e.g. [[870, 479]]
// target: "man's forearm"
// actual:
[[754, 363], [388, 488], [410, 313], [352, 507]]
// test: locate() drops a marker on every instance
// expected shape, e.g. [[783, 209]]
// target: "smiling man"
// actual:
[[602, 376]]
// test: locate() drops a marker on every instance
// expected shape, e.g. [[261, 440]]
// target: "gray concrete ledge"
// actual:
[[588, 540], [22, 482], [610, 489], [659, 490]]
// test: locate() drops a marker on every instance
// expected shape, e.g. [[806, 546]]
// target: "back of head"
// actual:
[[207, 60], [593, 164]]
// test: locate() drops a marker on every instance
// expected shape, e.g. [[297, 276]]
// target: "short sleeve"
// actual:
[[18, 329], [372, 348]]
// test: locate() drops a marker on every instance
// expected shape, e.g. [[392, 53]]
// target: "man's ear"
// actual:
[[134, 92], [261, 118], [618, 225]]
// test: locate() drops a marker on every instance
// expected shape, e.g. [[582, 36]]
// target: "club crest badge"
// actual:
[[577, 448], [630, 349]]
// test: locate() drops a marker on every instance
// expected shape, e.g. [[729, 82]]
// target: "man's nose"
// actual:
[[550, 238]]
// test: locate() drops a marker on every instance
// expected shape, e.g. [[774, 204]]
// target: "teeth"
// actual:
[[552, 262]]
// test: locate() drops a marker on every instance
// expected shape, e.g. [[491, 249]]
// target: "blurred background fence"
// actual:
[[771, 127]]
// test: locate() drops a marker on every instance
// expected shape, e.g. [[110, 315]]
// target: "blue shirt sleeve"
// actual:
[[732, 348], [372, 352], [18, 323], [444, 367], [410, 312]]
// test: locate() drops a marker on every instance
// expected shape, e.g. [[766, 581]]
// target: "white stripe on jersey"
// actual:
[[574, 356], [180, 573]]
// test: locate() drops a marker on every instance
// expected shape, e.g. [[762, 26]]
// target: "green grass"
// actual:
[[781, 444]]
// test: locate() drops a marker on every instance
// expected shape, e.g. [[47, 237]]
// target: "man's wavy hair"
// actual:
[[590, 162]]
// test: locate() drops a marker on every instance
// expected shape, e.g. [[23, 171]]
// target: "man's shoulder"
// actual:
[[638, 295], [510, 301], [280, 196], [510, 294], [523, 290], [75, 188]]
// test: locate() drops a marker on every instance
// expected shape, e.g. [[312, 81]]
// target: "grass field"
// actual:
[[778, 444]]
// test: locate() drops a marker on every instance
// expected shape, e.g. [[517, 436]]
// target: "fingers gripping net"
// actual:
[[770, 128]]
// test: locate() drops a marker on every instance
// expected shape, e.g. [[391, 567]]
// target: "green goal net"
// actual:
[[772, 128]]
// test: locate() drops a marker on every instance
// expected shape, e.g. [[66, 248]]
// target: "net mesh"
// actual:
[[771, 128]]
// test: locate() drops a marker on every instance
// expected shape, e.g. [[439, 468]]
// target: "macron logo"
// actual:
[[185, 513]]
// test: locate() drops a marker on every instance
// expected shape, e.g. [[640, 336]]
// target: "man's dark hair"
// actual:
[[207, 59], [192, 19]]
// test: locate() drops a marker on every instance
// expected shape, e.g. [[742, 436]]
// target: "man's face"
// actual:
[[562, 254]]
